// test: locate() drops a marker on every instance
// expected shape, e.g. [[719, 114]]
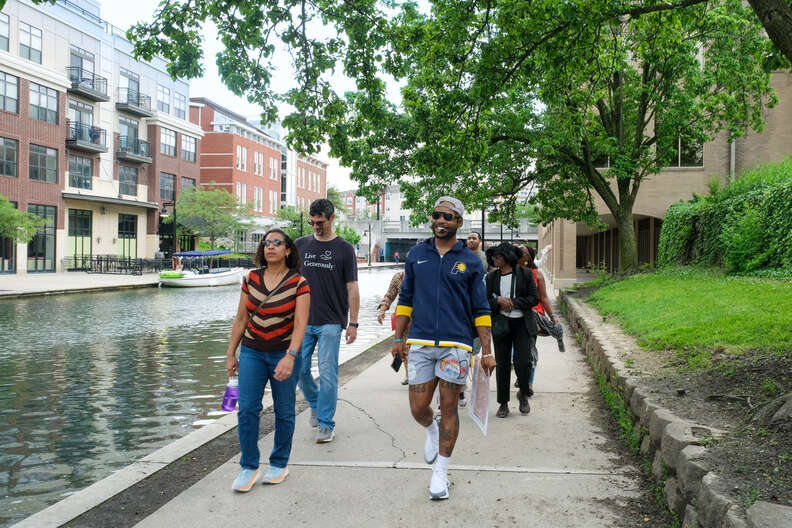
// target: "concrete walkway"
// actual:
[[550, 468]]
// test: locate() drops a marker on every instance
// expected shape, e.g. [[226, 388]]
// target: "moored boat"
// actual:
[[196, 271]]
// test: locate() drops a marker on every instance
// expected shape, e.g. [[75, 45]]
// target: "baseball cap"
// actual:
[[452, 203]]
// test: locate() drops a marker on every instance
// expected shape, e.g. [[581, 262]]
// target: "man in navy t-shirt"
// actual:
[[329, 264]]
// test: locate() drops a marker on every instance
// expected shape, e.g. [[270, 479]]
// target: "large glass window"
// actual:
[[127, 180], [127, 129], [677, 150], [8, 252], [163, 98], [187, 182], [127, 236], [80, 171], [43, 164], [8, 157], [41, 250], [168, 142], [30, 42], [188, 148], [80, 113], [5, 31], [167, 182], [79, 241], [43, 103], [129, 81], [9, 93], [179, 105], [79, 58]]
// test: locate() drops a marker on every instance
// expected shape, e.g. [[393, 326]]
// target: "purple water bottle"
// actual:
[[231, 394]]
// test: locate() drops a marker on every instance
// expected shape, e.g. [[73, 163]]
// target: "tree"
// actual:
[[213, 213], [334, 196], [18, 225], [776, 17], [295, 216], [348, 234]]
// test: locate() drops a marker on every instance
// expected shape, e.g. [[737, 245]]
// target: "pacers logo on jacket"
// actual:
[[459, 267]]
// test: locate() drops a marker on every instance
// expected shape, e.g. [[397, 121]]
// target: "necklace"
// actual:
[[277, 279]]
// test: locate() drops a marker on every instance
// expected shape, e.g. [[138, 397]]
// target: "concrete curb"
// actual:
[[41, 293], [692, 491], [89, 498]]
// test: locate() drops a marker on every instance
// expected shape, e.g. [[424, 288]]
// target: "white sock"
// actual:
[[441, 464], [433, 430]]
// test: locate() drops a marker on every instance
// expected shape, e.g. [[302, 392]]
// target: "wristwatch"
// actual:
[[293, 353], [354, 324]]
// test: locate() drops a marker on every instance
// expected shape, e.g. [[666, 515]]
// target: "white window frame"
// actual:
[[5, 31], [30, 37], [179, 105], [163, 98]]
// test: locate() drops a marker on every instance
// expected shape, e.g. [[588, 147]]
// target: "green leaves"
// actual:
[[212, 213], [17, 225]]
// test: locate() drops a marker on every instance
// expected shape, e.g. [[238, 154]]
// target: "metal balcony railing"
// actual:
[[134, 98], [86, 133], [87, 80], [132, 145]]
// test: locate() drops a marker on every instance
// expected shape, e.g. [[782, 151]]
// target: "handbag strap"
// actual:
[[267, 298]]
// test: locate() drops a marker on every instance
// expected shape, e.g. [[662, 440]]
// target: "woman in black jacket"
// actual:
[[511, 291]]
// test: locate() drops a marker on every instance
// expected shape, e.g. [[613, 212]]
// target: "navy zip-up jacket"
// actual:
[[445, 297]]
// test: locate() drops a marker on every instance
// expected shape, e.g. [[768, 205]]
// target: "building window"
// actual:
[[187, 182], [83, 61], [163, 98], [127, 236], [80, 172], [241, 193], [241, 161], [129, 81], [188, 148], [127, 180], [30, 42], [43, 103], [9, 93], [676, 150], [41, 250], [8, 157], [80, 238], [43, 164], [179, 105], [5, 31], [167, 186], [168, 142]]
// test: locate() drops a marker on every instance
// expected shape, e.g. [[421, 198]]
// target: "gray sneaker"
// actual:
[[313, 420], [324, 435]]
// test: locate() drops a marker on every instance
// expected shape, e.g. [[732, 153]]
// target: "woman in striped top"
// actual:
[[271, 334]]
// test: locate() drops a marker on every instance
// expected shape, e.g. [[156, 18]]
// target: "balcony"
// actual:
[[87, 84], [86, 138], [133, 102], [133, 150]]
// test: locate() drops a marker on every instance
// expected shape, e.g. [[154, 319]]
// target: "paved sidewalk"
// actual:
[[550, 468]]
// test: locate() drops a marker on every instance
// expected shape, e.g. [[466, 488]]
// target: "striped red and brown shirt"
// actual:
[[270, 329]]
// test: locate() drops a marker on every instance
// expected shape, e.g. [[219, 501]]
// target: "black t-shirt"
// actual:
[[328, 267]]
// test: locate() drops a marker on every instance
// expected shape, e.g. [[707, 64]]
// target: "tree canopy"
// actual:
[[17, 225], [213, 213]]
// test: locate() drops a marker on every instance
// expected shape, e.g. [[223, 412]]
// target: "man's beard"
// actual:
[[445, 233]]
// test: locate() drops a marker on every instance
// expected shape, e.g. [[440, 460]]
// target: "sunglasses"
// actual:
[[277, 242], [447, 216], [316, 222]]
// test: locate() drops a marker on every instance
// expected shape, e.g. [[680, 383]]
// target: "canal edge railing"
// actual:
[[103, 490]]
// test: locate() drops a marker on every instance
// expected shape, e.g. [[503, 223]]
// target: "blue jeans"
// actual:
[[327, 339], [255, 369]]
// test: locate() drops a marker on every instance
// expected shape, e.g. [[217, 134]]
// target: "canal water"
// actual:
[[90, 383]]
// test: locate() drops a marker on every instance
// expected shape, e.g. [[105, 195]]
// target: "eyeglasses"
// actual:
[[447, 216], [276, 242], [316, 222]]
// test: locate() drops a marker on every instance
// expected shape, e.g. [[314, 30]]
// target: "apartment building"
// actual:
[[576, 246], [359, 207], [91, 139], [310, 180]]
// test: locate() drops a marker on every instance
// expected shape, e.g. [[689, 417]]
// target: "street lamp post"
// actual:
[[369, 244]]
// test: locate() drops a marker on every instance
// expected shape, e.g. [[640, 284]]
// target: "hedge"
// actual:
[[746, 226]]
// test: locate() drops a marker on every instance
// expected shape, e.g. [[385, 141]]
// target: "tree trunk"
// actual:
[[776, 17], [628, 248]]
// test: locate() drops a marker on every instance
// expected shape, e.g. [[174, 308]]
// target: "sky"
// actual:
[[117, 12]]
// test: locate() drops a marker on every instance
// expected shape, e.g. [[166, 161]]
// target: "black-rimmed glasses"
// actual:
[[446, 216], [276, 242], [316, 222]]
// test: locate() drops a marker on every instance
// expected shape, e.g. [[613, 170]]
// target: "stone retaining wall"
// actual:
[[696, 494]]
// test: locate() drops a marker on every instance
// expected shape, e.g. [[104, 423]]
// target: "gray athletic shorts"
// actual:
[[426, 363]]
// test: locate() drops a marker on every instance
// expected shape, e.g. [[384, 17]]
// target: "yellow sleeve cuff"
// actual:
[[404, 310], [483, 320]]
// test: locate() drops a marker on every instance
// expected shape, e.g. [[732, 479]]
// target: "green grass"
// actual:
[[694, 311]]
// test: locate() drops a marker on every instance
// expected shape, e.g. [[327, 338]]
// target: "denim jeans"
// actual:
[[326, 339], [255, 369]]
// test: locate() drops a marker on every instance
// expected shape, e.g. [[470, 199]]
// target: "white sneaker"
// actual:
[[438, 486], [432, 444]]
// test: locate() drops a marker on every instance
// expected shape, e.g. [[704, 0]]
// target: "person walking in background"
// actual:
[[543, 307], [475, 245], [443, 298], [387, 300], [270, 321], [328, 262], [511, 292], [396, 257]]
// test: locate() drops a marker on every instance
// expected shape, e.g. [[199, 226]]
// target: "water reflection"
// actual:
[[92, 382]]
